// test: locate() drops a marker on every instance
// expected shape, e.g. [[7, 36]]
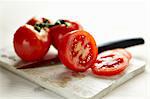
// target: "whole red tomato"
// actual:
[[77, 50], [60, 28], [32, 40]]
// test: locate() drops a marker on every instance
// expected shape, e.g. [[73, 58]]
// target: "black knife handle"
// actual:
[[120, 44]]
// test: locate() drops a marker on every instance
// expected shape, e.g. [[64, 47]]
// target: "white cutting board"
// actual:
[[66, 83]]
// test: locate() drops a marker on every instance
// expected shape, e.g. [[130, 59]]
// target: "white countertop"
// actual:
[[115, 20]]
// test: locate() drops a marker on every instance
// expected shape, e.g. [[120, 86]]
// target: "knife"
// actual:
[[120, 44], [104, 47]]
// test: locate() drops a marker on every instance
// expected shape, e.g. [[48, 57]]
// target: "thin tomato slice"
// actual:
[[124, 52], [110, 63]]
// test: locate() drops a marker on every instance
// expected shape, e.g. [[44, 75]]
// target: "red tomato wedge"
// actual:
[[31, 42], [77, 50], [60, 28], [110, 63]]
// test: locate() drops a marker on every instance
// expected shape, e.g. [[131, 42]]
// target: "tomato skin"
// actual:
[[64, 51], [29, 44], [112, 70], [58, 31], [33, 21]]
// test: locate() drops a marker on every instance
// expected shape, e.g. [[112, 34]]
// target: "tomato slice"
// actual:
[[61, 28], [110, 63], [32, 40], [77, 50], [124, 52]]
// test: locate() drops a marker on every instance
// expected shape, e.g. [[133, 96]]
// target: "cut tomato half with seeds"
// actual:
[[77, 50], [110, 63]]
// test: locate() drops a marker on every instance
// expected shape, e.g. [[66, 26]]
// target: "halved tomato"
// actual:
[[77, 50], [110, 63]]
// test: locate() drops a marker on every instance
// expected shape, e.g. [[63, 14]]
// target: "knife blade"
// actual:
[[41, 63]]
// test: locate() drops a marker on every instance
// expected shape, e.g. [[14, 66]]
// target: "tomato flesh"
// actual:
[[124, 52], [109, 58], [81, 50], [78, 50], [110, 63]]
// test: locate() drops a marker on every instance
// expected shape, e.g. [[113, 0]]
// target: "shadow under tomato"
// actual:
[[49, 60]]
